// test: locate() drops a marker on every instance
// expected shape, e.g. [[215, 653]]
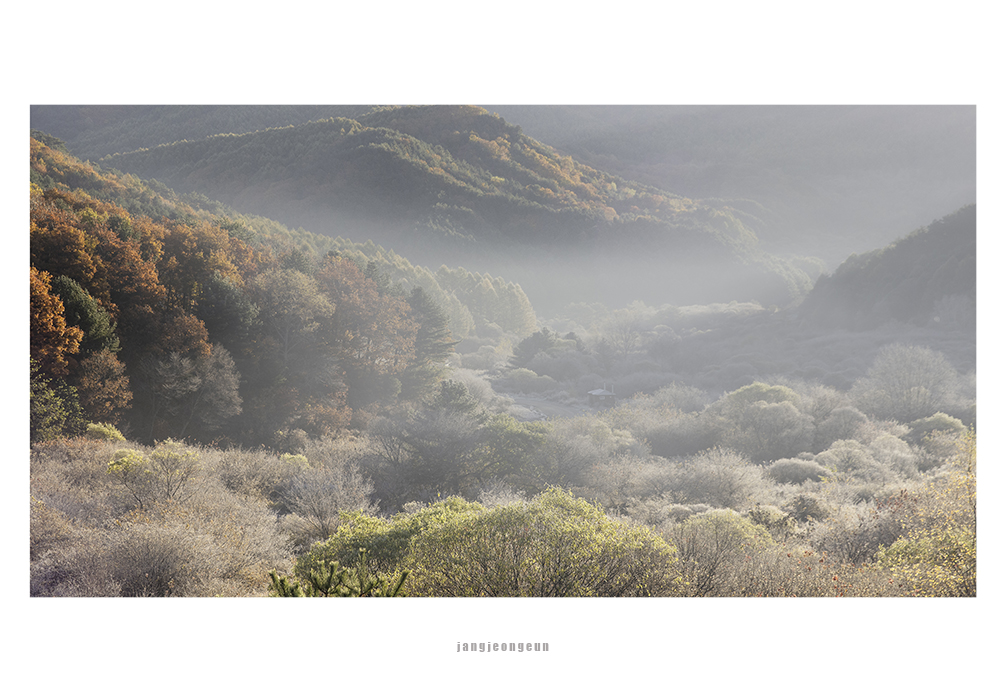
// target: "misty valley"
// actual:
[[456, 351]]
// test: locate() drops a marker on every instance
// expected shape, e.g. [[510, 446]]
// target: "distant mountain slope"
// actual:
[[462, 185], [93, 131], [925, 278], [457, 291], [828, 180], [821, 181]]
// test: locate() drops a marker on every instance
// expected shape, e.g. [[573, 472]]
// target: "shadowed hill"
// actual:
[[927, 277]]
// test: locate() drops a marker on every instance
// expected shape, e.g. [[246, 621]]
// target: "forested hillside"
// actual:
[[929, 276], [182, 322], [459, 185]]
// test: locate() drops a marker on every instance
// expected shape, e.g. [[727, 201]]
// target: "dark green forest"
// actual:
[[237, 391]]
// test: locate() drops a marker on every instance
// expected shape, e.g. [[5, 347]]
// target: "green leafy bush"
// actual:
[[553, 545], [104, 432], [384, 541], [334, 581]]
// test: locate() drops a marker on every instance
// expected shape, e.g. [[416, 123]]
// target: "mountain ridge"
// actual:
[[459, 184]]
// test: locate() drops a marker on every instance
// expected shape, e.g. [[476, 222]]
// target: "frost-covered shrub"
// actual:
[[575, 446], [764, 422], [795, 471], [256, 473], [807, 507], [49, 528], [857, 533], [685, 398], [526, 381], [711, 545], [896, 454], [939, 422], [906, 383], [777, 522], [315, 495], [717, 477], [497, 493], [850, 459], [842, 423]]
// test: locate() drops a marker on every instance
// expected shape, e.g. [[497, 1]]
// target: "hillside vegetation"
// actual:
[[928, 276], [183, 322], [458, 184]]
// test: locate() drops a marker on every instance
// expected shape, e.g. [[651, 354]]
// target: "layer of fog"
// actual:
[[831, 180]]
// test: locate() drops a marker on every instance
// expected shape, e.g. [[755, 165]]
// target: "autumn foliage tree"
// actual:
[[373, 332], [52, 341]]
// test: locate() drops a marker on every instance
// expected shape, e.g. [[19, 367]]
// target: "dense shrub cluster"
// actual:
[[552, 545], [119, 519]]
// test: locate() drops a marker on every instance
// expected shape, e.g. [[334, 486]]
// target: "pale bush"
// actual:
[[767, 431], [80, 462], [786, 571], [85, 544], [856, 534], [165, 474], [526, 381], [717, 477], [77, 567], [49, 529], [315, 495], [842, 423], [253, 473], [315, 498], [156, 558], [897, 455], [938, 422], [710, 546], [479, 389], [807, 507], [778, 523], [796, 471], [655, 512], [497, 493], [850, 459], [907, 383], [685, 398], [575, 446], [243, 543]]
